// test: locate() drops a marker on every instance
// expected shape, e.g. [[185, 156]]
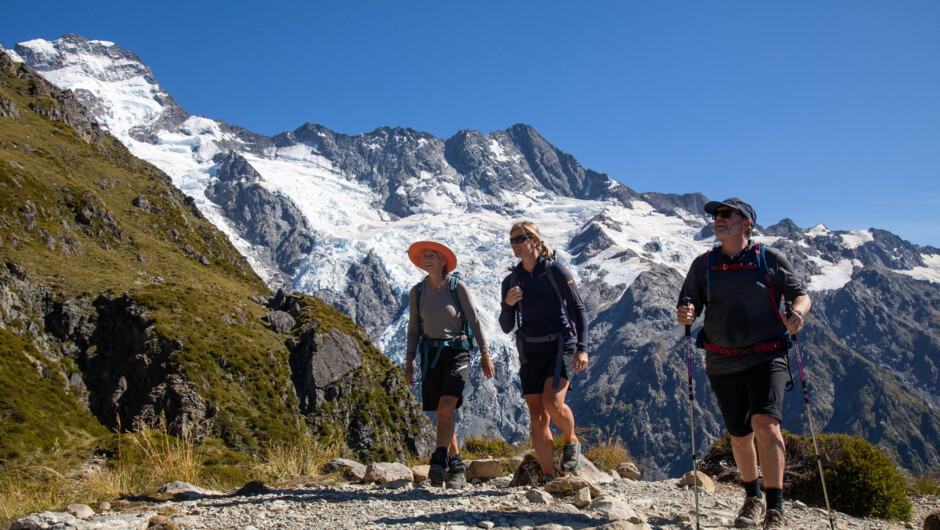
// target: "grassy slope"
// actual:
[[67, 216]]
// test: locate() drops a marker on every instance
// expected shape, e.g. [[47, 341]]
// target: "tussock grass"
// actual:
[[486, 447], [143, 462], [303, 458], [170, 458], [608, 452], [927, 484]]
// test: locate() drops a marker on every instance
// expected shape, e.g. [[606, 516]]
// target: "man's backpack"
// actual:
[[425, 343]]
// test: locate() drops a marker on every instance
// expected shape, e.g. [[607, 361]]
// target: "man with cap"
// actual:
[[739, 285], [441, 318]]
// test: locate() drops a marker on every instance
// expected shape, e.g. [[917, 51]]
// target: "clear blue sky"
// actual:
[[824, 112]]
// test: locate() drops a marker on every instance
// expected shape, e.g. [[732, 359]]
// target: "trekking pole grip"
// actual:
[[688, 329]]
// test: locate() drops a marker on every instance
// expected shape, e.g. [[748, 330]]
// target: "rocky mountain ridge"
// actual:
[[870, 352]]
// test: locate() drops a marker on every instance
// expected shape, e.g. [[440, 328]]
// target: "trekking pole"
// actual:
[[688, 343], [809, 414]]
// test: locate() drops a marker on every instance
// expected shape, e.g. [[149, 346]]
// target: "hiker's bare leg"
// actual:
[[554, 401], [541, 433], [446, 429], [771, 447], [745, 456]]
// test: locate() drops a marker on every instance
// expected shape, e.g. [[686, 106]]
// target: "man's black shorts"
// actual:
[[447, 378], [758, 390], [540, 365]]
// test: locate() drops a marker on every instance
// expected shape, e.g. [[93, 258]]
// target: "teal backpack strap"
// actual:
[[424, 345], [455, 298]]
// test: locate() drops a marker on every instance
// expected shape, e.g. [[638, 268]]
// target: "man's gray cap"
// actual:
[[744, 208]]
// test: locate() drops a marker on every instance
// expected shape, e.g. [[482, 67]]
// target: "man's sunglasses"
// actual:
[[518, 240], [724, 214]]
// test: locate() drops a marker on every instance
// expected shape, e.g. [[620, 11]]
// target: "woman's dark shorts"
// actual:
[[448, 378], [758, 390], [540, 365]]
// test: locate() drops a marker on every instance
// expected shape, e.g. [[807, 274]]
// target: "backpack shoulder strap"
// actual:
[[759, 256], [711, 256], [550, 272], [419, 290], [455, 298]]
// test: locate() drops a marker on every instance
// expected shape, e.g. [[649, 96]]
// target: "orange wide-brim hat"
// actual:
[[416, 250]]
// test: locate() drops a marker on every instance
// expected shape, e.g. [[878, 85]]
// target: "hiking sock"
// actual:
[[752, 488], [774, 499]]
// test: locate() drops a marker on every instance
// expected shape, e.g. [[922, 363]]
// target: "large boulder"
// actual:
[[628, 470], [570, 485], [484, 469], [351, 470], [385, 472], [704, 481]]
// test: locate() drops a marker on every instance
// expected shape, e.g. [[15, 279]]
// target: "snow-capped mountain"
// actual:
[[333, 215]]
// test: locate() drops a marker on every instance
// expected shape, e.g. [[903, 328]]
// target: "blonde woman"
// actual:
[[442, 326], [541, 302]]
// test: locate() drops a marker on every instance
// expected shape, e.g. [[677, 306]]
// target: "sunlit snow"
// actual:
[[929, 272], [857, 238], [833, 275]]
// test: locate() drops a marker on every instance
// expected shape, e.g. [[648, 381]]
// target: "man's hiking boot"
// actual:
[[438, 473], [750, 513], [456, 472], [545, 480], [571, 458], [774, 520]]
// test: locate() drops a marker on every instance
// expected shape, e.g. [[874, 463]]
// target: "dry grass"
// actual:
[[486, 447], [145, 461], [170, 458], [927, 484], [299, 459], [608, 452]]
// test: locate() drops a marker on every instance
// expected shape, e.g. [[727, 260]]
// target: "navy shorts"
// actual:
[[540, 365], [757, 390], [447, 378]]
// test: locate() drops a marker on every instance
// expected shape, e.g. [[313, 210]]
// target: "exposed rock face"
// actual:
[[368, 298], [359, 392], [319, 361], [270, 221], [128, 373], [50, 102]]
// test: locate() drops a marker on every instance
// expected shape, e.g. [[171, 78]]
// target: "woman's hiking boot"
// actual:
[[438, 473], [571, 456], [751, 511], [774, 520], [456, 472]]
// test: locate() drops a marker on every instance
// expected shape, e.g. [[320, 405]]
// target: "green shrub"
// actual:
[[861, 480]]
